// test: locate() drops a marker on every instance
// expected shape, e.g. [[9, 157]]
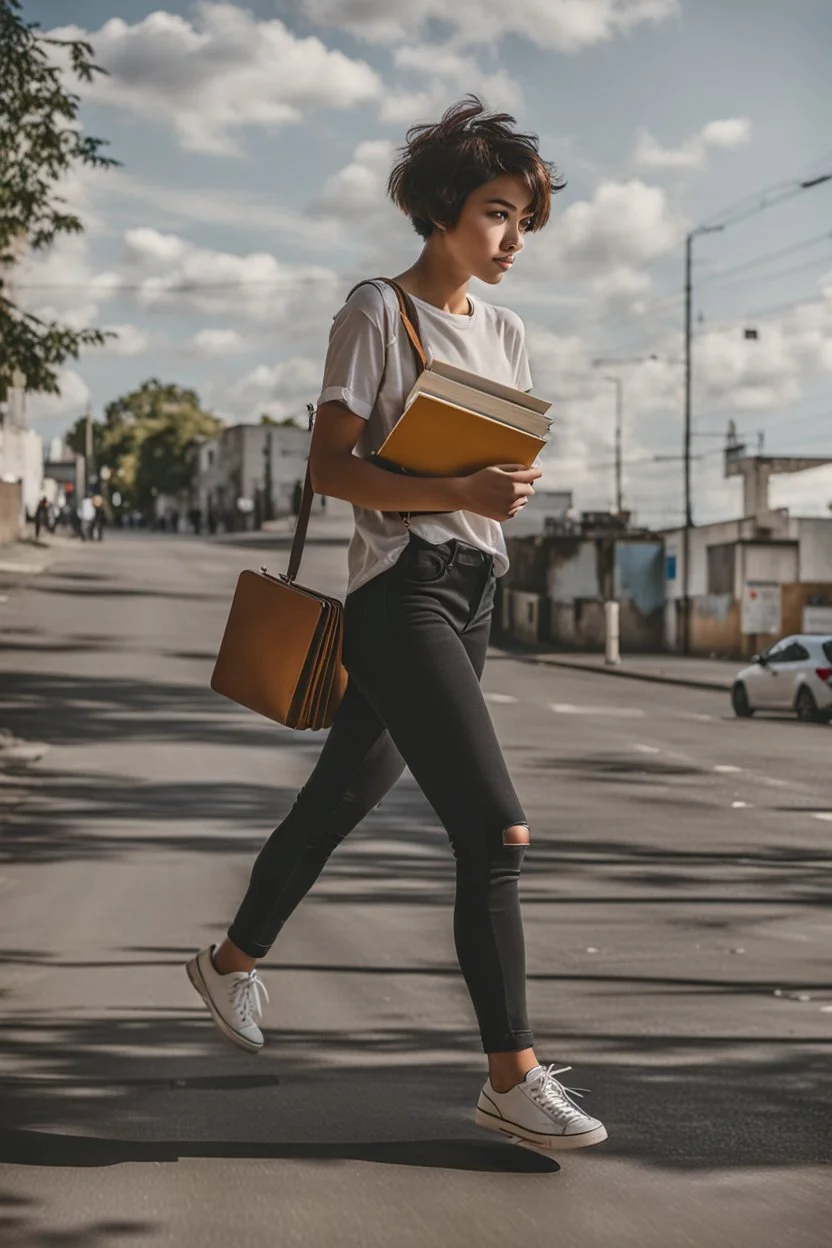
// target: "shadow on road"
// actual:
[[90, 1077]]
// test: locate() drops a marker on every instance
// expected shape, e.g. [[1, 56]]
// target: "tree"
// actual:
[[40, 141], [146, 440], [288, 422]]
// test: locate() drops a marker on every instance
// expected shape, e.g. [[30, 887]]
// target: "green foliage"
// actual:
[[147, 439], [40, 142], [287, 421]]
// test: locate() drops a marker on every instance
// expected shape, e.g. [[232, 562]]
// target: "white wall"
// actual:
[[21, 459], [575, 578], [769, 563], [815, 536]]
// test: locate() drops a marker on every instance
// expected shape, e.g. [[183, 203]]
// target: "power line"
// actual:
[[720, 274]]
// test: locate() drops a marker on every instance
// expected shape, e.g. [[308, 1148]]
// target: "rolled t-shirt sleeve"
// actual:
[[355, 357]]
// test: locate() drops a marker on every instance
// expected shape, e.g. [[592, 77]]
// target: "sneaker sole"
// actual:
[[544, 1144], [195, 976]]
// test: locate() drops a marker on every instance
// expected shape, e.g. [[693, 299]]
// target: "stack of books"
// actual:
[[455, 423]]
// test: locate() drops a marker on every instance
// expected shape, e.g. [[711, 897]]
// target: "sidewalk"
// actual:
[[29, 558], [665, 669]]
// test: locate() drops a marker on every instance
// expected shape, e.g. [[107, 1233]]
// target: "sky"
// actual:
[[255, 141]]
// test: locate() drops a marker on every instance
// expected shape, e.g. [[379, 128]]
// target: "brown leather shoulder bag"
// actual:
[[281, 651]]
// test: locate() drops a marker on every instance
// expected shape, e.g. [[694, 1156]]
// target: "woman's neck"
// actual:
[[432, 278]]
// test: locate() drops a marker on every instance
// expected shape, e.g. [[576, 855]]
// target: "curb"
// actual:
[[686, 682]]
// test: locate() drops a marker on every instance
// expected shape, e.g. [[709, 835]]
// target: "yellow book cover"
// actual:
[[438, 439]]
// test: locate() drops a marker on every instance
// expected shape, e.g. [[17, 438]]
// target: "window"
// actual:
[[827, 650], [721, 561], [777, 652], [787, 652]]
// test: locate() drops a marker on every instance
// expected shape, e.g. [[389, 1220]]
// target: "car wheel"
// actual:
[[806, 708], [739, 700]]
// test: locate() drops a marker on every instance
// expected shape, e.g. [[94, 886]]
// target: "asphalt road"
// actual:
[[676, 899]]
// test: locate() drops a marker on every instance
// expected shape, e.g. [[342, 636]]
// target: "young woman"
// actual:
[[418, 610]]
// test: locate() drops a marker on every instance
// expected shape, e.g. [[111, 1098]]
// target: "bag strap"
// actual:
[[410, 320]]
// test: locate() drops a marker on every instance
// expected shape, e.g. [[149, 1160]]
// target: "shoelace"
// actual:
[[550, 1093], [245, 996]]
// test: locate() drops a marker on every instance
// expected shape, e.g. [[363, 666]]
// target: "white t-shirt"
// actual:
[[370, 368]]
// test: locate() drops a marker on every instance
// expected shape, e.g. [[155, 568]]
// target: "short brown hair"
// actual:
[[441, 164]]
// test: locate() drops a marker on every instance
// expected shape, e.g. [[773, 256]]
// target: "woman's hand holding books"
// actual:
[[498, 493]]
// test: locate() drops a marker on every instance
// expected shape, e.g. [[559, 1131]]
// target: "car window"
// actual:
[[827, 650], [800, 653], [777, 652]]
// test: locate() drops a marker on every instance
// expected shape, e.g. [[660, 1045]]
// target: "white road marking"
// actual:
[[26, 569], [647, 749], [726, 768], [740, 805], [697, 715], [499, 697], [611, 712], [826, 818]]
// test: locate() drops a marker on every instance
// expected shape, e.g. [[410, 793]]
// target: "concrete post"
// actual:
[[612, 654]]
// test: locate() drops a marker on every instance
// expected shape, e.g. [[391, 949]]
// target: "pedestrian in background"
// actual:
[[418, 612], [87, 518], [41, 516]]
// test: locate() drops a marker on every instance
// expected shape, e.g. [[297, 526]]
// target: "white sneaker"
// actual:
[[233, 999], [539, 1113]]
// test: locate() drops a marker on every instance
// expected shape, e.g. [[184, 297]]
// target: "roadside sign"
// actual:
[[761, 607], [817, 620]]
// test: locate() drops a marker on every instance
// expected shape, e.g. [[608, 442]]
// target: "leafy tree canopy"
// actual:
[[40, 141], [147, 438]]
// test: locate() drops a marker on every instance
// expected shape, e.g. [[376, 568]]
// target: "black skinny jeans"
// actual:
[[415, 640]]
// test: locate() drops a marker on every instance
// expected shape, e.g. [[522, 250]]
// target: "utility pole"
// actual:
[[268, 505], [730, 217], [687, 431], [619, 418], [619, 427], [686, 440], [89, 453]]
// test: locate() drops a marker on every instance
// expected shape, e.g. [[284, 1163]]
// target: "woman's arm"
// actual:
[[498, 493]]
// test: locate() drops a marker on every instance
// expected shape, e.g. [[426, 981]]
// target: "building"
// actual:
[[249, 474], [754, 579], [750, 582], [555, 589], [21, 466]]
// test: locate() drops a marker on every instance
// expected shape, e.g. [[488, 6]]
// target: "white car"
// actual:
[[794, 674]]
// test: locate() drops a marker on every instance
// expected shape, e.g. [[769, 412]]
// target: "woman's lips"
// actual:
[[505, 265]]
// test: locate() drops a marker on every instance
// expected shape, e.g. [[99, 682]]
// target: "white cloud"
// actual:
[[219, 72], [360, 188], [277, 390], [355, 200], [172, 273], [448, 74], [60, 284], [213, 342], [130, 340], [692, 153], [564, 25], [52, 413], [605, 242], [231, 207]]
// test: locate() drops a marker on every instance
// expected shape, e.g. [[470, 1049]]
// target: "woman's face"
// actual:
[[488, 237]]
